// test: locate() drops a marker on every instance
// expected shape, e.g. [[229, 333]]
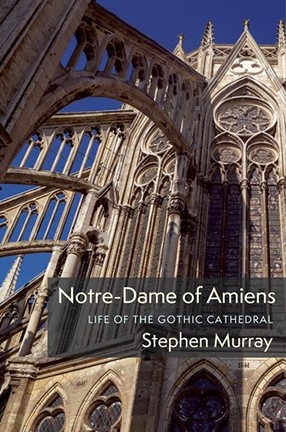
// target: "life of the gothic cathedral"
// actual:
[[187, 179]]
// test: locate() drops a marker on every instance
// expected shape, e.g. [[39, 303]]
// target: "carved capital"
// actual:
[[127, 210], [156, 199], [77, 244], [176, 205]]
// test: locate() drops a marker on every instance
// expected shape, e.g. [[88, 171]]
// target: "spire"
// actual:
[[208, 37], [8, 286], [281, 34], [179, 50]]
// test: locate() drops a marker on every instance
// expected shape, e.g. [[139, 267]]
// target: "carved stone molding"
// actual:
[[77, 244], [21, 368]]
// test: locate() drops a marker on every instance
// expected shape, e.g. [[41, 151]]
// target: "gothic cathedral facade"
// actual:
[[186, 180]]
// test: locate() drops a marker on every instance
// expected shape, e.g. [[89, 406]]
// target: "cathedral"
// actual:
[[185, 180]]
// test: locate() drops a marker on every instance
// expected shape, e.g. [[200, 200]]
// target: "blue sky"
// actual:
[[163, 20]]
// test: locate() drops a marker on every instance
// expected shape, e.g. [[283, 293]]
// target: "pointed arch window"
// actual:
[[25, 223], [52, 217], [104, 414], [274, 227], [224, 225], [10, 316], [255, 225], [201, 405], [51, 417], [265, 245], [234, 203]]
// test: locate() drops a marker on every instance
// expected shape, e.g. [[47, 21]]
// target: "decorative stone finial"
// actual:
[[181, 38], [208, 37], [179, 50], [281, 34], [246, 24]]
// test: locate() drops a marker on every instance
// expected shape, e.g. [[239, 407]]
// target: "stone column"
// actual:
[[39, 305], [121, 231], [77, 245], [175, 211], [282, 201], [134, 266], [244, 188], [264, 228], [176, 208], [148, 250], [186, 246]]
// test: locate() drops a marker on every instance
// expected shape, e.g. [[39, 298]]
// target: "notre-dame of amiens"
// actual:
[[186, 179]]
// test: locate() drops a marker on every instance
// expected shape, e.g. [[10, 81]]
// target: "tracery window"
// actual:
[[255, 225], [52, 216], [243, 228], [52, 417], [223, 252], [104, 414], [58, 155], [265, 248], [244, 119], [25, 223], [274, 228], [201, 406], [272, 409], [10, 316]]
